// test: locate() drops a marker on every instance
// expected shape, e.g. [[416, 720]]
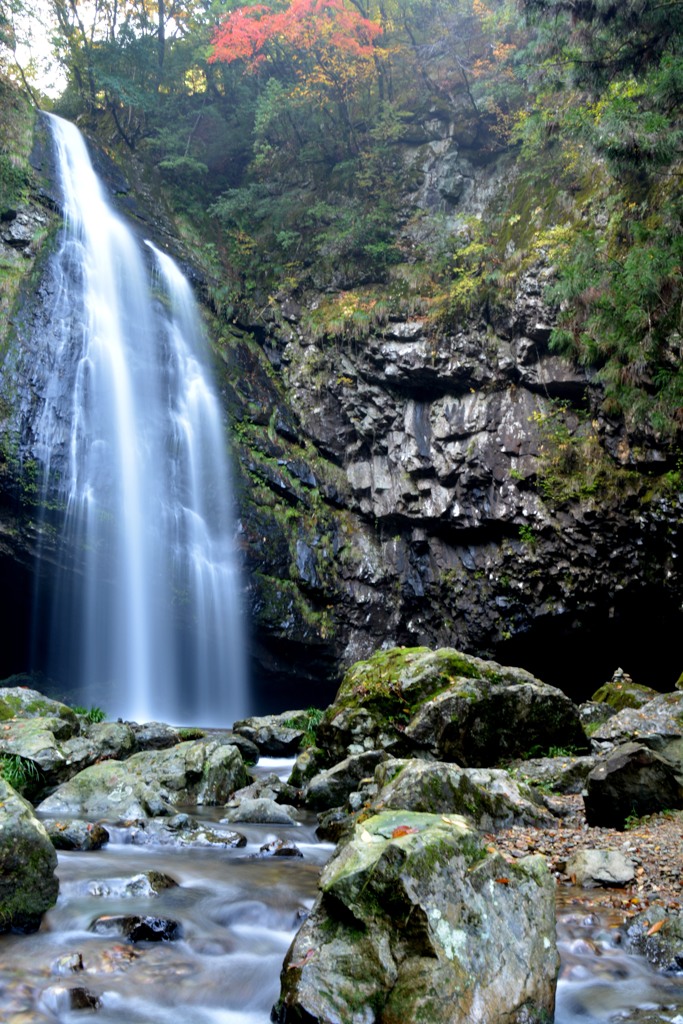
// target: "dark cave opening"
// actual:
[[637, 631]]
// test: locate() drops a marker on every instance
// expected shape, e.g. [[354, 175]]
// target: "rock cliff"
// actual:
[[404, 479]]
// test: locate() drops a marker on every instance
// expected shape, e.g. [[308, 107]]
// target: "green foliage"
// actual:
[[190, 733], [613, 90], [19, 772], [623, 313], [527, 535], [92, 714], [309, 721]]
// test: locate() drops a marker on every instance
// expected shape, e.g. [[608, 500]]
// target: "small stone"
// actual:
[[60, 999], [600, 868], [138, 928], [70, 963], [280, 848]]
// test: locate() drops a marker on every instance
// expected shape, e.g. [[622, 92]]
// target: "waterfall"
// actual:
[[144, 614]]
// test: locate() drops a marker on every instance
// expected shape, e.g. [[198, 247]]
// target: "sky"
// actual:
[[34, 50]]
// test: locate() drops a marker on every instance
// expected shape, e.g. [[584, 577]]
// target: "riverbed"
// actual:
[[238, 912]]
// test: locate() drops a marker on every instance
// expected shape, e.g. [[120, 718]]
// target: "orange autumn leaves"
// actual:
[[323, 28]]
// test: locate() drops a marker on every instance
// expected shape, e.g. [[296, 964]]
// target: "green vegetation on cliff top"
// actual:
[[295, 162]]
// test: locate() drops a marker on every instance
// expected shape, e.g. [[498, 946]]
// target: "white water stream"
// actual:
[[238, 915], [145, 617]]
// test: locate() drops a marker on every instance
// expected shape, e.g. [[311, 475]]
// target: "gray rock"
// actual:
[[260, 811], [184, 831], [154, 735], [417, 920], [145, 884], [332, 787], [658, 724], [150, 783], [22, 702], [279, 848], [489, 798], [138, 928], [269, 787], [609, 868], [479, 722], [657, 935], [61, 999], [69, 963], [593, 714], [446, 705], [273, 734], [631, 780], [75, 834], [28, 885], [565, 774]]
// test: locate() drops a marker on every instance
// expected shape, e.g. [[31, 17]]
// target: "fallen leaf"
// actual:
[[403, 830], [503, 881], [300, 963], [656, 927]]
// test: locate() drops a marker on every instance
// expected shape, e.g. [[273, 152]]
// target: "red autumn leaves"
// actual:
[[304, 25]]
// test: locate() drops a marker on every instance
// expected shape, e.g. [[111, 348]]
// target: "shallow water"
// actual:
[[239, 914], [600, 982]]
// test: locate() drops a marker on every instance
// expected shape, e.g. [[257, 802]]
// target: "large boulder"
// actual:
[[23, 702], [332, 787], [417, 920], [488, 797], [275, 735], [28, 884], [632, 780], [657, 724], [60, 747], [621, 692], [150, 783], [449, 706], [608, 868]]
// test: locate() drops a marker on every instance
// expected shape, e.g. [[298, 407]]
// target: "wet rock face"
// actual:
[[448, 502], [418, 486]]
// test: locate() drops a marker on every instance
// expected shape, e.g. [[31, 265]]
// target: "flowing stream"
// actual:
[[238, 913], [144, 617]]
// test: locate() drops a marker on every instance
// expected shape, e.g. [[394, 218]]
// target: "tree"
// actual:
[[616, 89], [322, 28], [323, 49]]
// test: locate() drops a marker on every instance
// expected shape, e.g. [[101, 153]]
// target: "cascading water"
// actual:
[[144, 617]]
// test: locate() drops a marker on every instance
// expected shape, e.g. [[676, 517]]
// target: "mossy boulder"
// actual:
[[488, 797], [417, 920], [449, 706], [150, 783], [624, 693], [23, 702], [28, 884], [57, 752], [657, 724]]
